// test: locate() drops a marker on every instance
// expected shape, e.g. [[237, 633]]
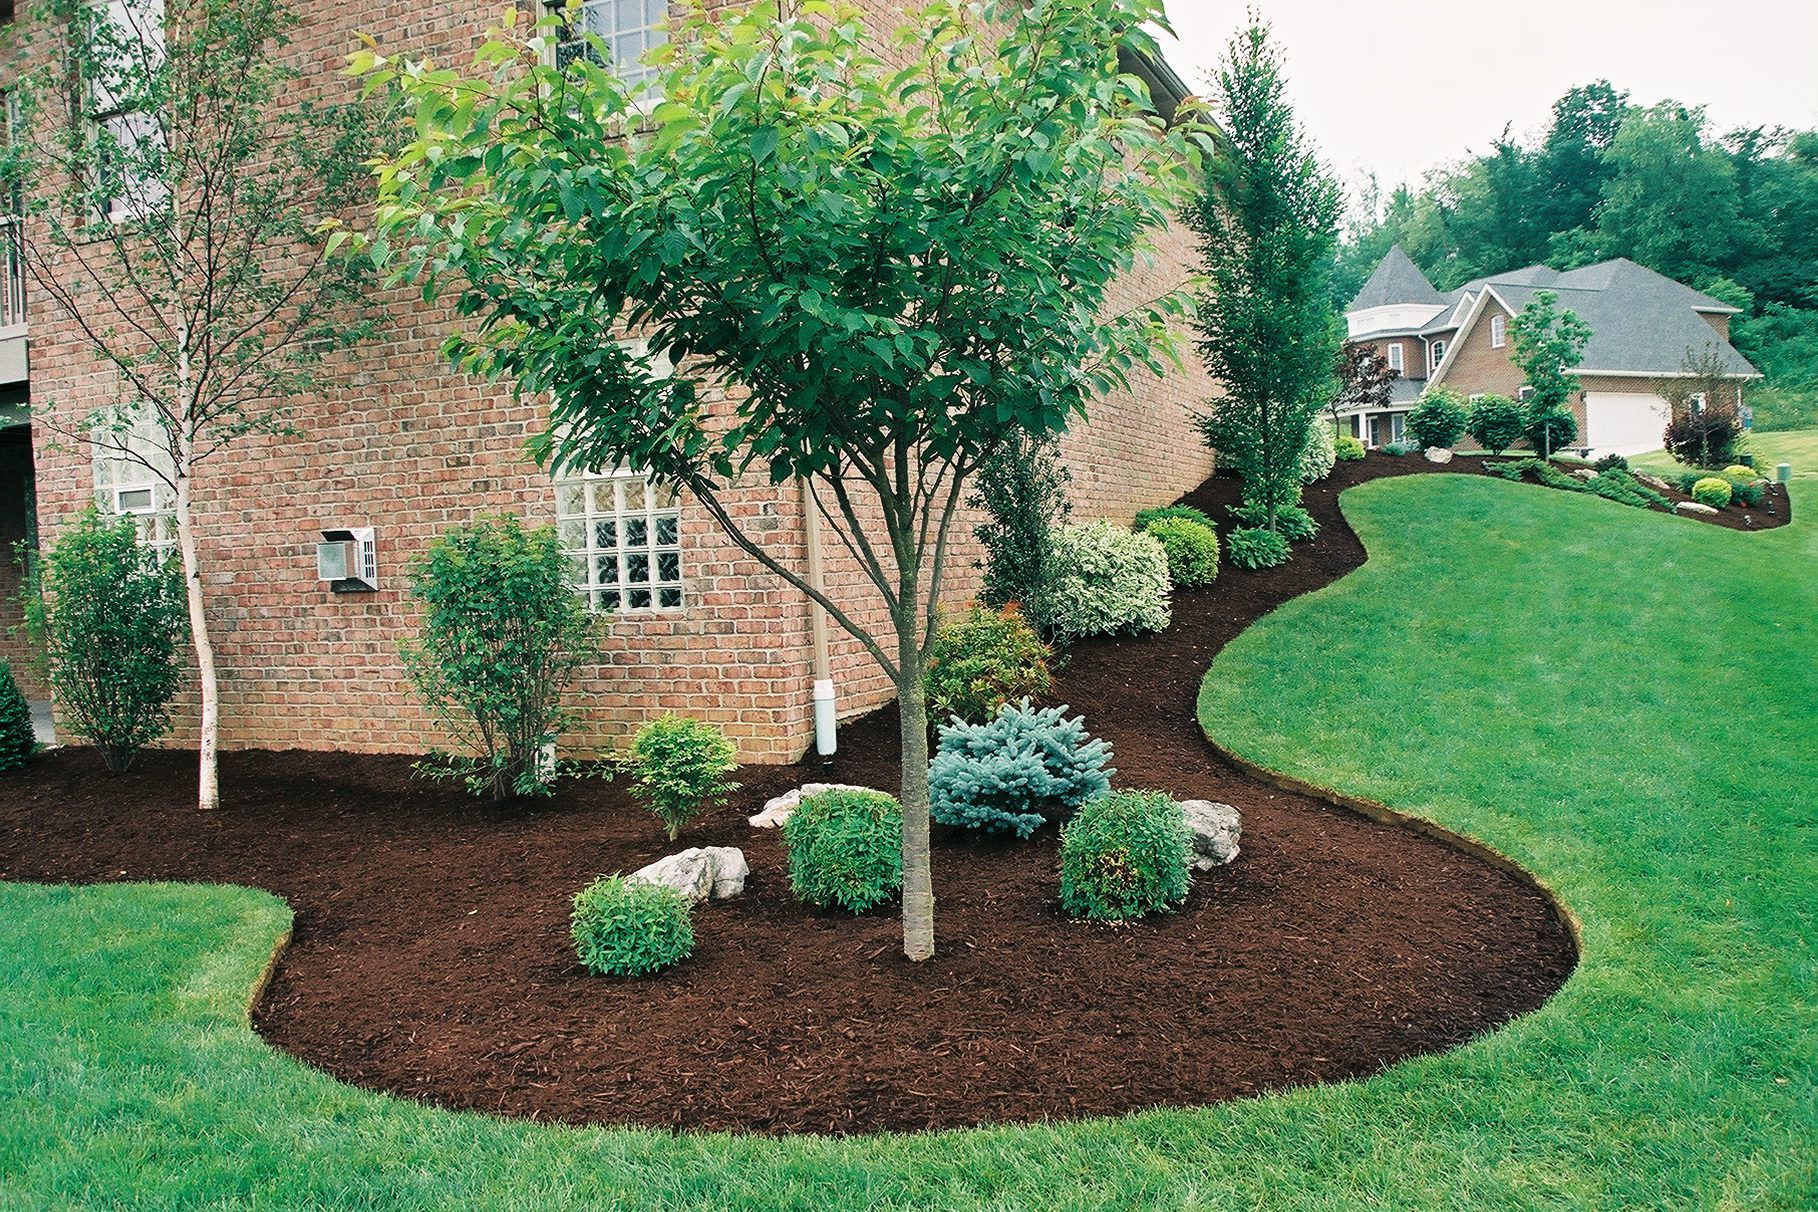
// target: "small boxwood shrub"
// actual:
[[1191, 547], [17, 740], [1017, 772], [1254, 547], [1496, 422], [678, 769], [1184, 512], [1107, 581], [982, 660], [1290, 520], [625, 929], [1125, 856], [1317, 461], [1713, 491], [1439, 419], [846, 849], [1347, 449]]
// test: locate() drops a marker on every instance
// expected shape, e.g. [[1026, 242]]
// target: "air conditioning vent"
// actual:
[[348, 559]]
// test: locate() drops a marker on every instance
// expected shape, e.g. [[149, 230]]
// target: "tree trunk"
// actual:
[[918, 869], [208, 794]]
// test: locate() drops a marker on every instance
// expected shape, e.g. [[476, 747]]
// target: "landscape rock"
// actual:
[[1585, 473], [1654, 482], [780, 809], [698, 873], [1438, 454], [1216, 829], [1692, 507]]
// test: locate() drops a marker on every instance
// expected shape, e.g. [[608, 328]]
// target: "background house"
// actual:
[[1643, 326], [399, 443]]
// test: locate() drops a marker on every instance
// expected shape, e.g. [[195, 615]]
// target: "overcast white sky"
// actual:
[[1396, 87]]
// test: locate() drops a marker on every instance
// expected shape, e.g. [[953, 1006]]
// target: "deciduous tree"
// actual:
[[1548, 343]]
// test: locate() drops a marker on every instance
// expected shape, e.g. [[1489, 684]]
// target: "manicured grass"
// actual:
[[1798, 448], [1565, 683]]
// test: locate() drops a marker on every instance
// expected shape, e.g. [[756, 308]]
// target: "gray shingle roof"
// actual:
[[1640, 322], [1396, 280]]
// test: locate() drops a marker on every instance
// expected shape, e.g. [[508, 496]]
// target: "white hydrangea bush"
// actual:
[[1107, 581], [1321, 454]]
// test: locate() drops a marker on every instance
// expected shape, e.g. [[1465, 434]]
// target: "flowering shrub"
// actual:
[[846, 848], [1439, 419], [982, 660], [679, 767]]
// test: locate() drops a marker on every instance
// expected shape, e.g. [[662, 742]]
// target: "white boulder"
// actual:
[[698, 873], [1692, 507], [1585, 473], [1216, 829], [1438, 454], [780, 809]]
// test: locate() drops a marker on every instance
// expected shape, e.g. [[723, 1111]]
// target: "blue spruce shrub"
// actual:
[[1017, 771]]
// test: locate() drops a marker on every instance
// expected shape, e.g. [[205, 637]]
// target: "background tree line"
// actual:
[[1735, 215]]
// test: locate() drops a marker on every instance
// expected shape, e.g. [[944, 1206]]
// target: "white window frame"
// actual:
[[145, 18], [1436, 353], [581, 513], [636, 72], [1499, 331], [1696, 402], [1523, 394], [1398, 426], [1397, 357]]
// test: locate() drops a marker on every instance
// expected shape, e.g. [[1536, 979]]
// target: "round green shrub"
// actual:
[[17, 740], [1018, 771], [1126, 855], [982, 660], [1348, 449], [1496, 422], [1254, 547], [1551, 430], [1740, 473], [1192, 549], [678, 769], [626, 929], [1439, 419], [1317, 461], [1292, 521], [1713, 491], [846, 849], [1186, 512], [1107, 581]]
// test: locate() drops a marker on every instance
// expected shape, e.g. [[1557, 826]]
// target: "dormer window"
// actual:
[[1499, 331], [1395, 357]]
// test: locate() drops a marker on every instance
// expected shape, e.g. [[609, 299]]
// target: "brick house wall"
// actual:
[[401, 443]]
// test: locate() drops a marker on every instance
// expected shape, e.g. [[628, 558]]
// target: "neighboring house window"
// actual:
[[1524, 394], [1396, 422], [129, 143], [622, 534], [1395, 357], [127, 485], [1499, 331], [12, 254], [628, 28], [1436, 354], [1697, 402]]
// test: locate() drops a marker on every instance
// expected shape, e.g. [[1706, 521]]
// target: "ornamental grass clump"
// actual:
[[1125, 856], [503, 635], [1017, 772], [678, 769], [630, 929], [845, 849], [982, 660], [1713, 491], [111, 619], [17, 740], [1108, 581], [1191, 547]]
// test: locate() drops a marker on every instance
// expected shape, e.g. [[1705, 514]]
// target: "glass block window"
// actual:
[[126, 485], [627, 27], [623, 536]]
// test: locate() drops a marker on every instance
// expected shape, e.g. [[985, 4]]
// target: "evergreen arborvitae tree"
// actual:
[[16, 737], [1267, 220], [1023, 487]]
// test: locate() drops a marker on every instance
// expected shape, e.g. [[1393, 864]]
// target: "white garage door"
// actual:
[[1618, 422]]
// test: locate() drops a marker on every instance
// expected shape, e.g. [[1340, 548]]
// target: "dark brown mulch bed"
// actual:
[[1776, 508], [431, 956]]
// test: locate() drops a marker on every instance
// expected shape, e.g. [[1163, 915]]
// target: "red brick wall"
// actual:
[[402, 444]]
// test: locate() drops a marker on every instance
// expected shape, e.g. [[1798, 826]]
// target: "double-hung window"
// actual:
[[1395, 357], [126, 53], [628, 29], [1499, 331], [1436, 353], [622, 534]]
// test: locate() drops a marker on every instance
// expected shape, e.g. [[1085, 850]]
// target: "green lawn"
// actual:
[[1566, 685], [1798, 448]]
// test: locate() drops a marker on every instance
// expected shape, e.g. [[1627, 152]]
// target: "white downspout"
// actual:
[[826, 707]]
